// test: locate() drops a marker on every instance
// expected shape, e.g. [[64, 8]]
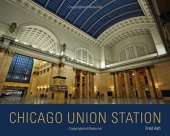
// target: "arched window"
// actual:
[[84, 56], [132, 51], [38, 37]]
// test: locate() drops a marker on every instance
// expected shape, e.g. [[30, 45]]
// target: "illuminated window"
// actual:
[[20, 69]]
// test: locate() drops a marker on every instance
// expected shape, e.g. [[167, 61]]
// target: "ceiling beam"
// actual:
[[114, 19], [60, 6], [110, 13], [96, 12], [83, 12], [72, 9], [47, 3]]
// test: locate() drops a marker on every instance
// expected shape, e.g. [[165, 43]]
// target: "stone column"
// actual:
[[75, 86], [127, 83], [117, 85], [81, 84], [32, 90], [114, 82], [91, 85], [4, 67], [156, 82], [87, 85], [138, 83], [151, 83], [53, 72], [2, 55], [74, 83]]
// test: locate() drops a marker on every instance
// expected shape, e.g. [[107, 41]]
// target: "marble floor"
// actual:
[[35, 100]]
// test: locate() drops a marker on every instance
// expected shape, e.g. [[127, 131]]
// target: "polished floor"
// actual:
[[35, 100]]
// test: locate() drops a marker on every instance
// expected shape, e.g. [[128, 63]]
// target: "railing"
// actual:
[[68, 59]]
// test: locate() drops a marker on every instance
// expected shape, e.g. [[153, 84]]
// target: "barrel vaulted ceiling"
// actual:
[[92, 20], [93, 16]]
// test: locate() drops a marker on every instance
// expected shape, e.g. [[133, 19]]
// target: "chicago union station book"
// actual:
[[85, 67]]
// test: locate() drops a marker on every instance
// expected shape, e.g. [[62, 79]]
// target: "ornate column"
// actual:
[[53, 69], [127, 83], [91, 81], [117, 85], [81, 84], [32, 90], [53, 72], [2, 54], [87, 85], [74, 82], [114, 82], [92, 85], [138, 83], [151, 83], [3, 57], [4, 67], [156, 82]]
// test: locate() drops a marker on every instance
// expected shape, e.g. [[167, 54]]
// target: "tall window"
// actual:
[[84, 56], [20, 69]]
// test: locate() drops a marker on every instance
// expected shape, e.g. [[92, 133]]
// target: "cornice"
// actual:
[[16, 48]]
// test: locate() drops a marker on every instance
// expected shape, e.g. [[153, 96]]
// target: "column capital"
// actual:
[[150, 66], [125, 71], [53, 64], [4, 49], [59, 65], [11, 54]]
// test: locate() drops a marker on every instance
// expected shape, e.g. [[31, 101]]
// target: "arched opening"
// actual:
[[84, 56], [131, 51], [38, 37]]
